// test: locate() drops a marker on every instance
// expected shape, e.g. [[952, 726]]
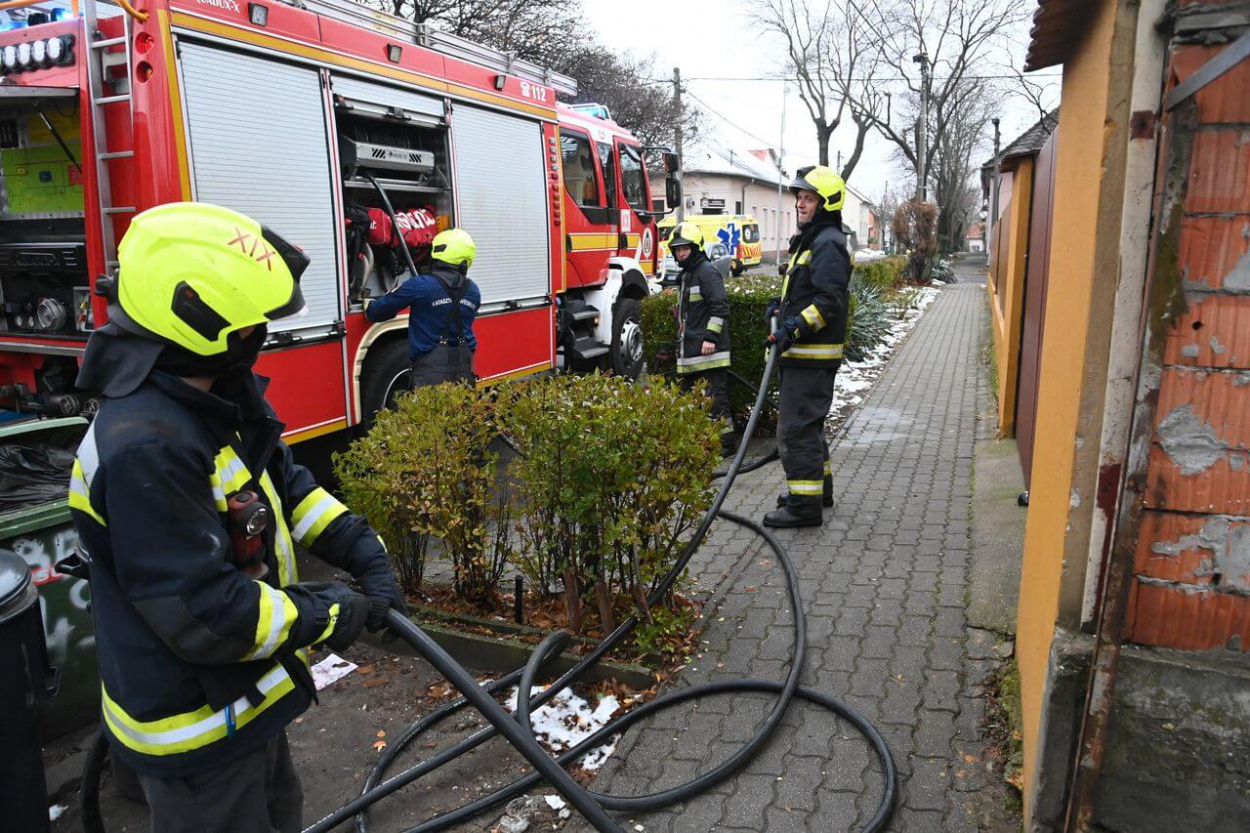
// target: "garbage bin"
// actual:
[[25, 679], [35, 524]]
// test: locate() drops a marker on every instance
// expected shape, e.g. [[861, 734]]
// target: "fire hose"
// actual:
[[518, 730]]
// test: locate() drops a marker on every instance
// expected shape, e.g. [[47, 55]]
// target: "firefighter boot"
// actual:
[[798, 511], [826, 498]]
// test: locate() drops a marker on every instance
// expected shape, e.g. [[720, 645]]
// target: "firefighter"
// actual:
[[442, 304], [703, 327], [190, 506], [809, 325]]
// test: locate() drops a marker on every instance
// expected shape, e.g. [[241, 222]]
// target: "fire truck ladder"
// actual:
[[424, 35], [104, 88]]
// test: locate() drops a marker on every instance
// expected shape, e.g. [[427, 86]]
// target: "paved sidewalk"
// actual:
[[884, 584]]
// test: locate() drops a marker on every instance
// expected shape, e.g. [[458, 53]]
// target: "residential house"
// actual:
[[1133, 639]]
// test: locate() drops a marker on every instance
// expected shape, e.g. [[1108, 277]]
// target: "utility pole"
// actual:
[[781, 155], [922, 129], [839, 163], [993, 218], [679, 119]]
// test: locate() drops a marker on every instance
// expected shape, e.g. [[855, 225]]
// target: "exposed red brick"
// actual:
[[1220, 488], [1219, 173], [1223, 101], [1189, 619], [1219, 398], [1170, 547], [1213, 247], [1214, 332]]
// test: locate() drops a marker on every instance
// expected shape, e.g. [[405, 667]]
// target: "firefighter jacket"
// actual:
[[702, 315], [199, 663], [432, 320], [815, 295]]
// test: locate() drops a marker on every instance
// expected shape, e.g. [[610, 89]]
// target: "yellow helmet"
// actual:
[[686, 234], [454, 247], [190, 274], [823, 182]]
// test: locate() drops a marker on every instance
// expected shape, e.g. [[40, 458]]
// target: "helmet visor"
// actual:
[[296, 261]]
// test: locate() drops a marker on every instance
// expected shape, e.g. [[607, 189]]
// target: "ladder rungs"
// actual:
[[107, 42], [120, 209], [115, 154], [113, 99]]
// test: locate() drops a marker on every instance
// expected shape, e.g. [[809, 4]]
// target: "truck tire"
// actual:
[[386, 372], [627, 347]]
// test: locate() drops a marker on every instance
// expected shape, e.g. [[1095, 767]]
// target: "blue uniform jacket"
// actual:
[[428, 321]]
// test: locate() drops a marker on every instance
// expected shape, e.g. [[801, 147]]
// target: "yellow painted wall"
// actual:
[[1007, 292], [1078, 174]]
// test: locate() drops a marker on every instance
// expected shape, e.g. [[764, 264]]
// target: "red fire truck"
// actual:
[[298, 115]]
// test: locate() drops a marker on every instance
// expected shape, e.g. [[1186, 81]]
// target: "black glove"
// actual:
[[784, 336], [321, 603], [378, 583], [773, 306]]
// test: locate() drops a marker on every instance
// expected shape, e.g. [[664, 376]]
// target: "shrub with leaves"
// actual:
[[871, 319], [426, 470], [915, 229], [885, 274], [614, 476]]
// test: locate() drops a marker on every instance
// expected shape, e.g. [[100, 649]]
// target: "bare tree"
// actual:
[[954, 163], [958, 39], [831, 51]]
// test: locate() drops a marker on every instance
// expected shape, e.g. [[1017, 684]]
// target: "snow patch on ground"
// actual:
[[854, 379], [568, 720]]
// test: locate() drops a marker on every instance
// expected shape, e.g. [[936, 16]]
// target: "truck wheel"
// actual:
[[627, 347], [385, 375]]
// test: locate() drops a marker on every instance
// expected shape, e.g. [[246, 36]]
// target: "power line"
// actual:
[[728, 121]]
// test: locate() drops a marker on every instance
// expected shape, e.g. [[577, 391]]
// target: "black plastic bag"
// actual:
[[33, 474]]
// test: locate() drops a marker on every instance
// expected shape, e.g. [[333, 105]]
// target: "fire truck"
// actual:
[[299, 113]]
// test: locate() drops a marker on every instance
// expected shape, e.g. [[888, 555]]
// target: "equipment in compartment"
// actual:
[[43, 288], [409, 161]]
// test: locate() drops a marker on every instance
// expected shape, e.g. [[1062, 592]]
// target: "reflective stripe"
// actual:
[[229, 475], [329, 631], [80, 495], [715, 323], [315, 512], [729, 426], [287, 572], [813, 317], [273, 624], [194, 730], [828, 467], [695, 295], [800, 259], [814, 351], [805, 487], [86, 464], [695, 363]]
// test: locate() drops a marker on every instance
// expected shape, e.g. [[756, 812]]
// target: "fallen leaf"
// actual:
[[377, 680], [750, 587], [382, 733], [366, 670], [380, 745]]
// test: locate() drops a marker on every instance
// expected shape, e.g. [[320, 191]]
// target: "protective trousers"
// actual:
[[258, 793], [445, 363], [806, 395], [718, 391]]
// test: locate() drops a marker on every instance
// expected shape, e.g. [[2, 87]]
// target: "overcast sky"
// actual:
[[711, 39]]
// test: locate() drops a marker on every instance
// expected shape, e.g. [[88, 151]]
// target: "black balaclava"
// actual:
[[241, 353]]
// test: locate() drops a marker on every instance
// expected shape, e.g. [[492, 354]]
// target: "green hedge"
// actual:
[[872, 286]]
